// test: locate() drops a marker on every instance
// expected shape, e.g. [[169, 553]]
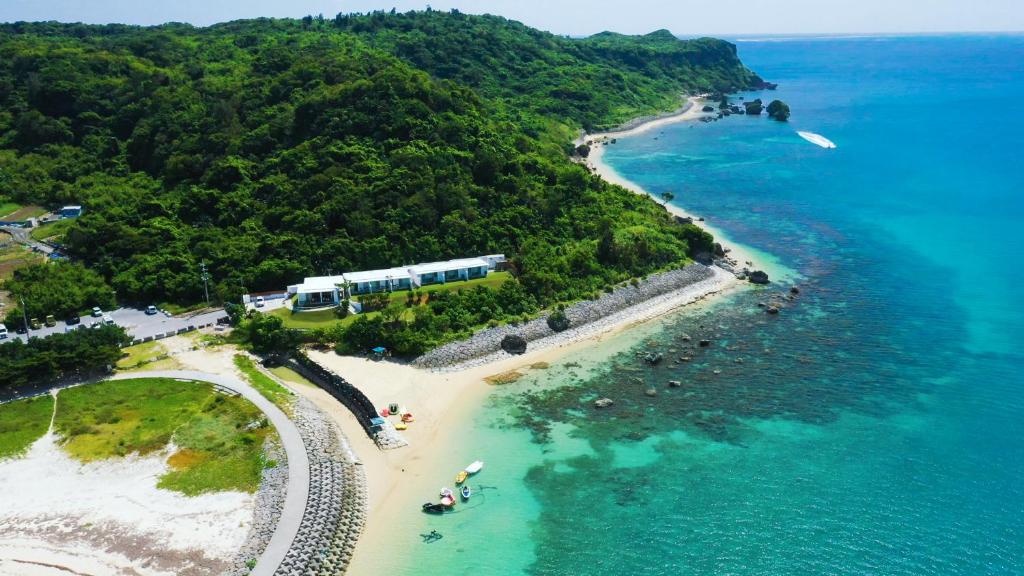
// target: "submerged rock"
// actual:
[[651, 392], [772, 310], [674, 383], [603, 402], [705, 343]]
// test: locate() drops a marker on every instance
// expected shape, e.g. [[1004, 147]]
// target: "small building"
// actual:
[[495, 262], [70, 212], [318, 292], [369, 281], [448, 271]]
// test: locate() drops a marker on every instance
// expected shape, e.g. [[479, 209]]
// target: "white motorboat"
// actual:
[[816, 139], [475, 467]]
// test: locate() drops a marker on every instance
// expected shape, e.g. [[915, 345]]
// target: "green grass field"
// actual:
[[52, 231], [289, 375], [22, 422], [14, 256], [8, 208], [140, 354], [217, 450], [265, 385]]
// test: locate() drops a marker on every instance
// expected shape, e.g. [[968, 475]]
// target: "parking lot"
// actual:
[[137, 323]]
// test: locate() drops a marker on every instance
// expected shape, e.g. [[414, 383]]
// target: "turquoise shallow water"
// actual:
[[873, 427]]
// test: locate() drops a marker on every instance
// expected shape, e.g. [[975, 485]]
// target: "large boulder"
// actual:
[[754, 107], [778, 110], [758, 277], [558, 321], [603, 402], [513, 344]]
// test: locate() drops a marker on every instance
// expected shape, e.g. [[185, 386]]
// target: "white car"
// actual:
[[108, 320], [97, 312], [3, 332], [151, 310], [260, 302]]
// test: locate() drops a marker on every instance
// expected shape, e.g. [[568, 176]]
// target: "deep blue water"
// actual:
[[875, 425]]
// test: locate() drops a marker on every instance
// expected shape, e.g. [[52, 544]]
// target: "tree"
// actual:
[[778, 110], [667, 197], [583, 150], [267, 335]]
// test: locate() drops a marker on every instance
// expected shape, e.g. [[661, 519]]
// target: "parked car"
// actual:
[[97, 312], [260, 302], [3, 332], [72, 320], [151, 310], [50, 320], [108, 320], [35, 324]]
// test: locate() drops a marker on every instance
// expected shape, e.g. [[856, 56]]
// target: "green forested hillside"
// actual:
[[276, 149], [592, 82]]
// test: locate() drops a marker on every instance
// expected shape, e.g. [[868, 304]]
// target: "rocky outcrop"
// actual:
[[778, 110], [513, 344], [708, 109], [603, 402], [758, 277], [753, 107]]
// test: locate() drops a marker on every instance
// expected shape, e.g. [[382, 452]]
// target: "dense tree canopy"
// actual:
[[78, 353], [63, 289], [274, 149]]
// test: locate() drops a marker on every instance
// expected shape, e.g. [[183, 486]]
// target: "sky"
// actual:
[[577, 17]]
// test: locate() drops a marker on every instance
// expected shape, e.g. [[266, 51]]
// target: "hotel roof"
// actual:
[[377, 275], [448, 265]]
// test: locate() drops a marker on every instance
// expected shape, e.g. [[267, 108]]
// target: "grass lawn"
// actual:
[[53, 231], [8, 208], [311, 320], [289, 375], [265, 385], [22, 422], [136, 356], [14, 256], [217, 450], [493, 280]]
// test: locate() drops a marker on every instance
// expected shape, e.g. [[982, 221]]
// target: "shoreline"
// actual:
[[442, 400], [737, 255]]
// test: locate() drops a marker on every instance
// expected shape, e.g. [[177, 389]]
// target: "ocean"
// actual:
[[874, 426]]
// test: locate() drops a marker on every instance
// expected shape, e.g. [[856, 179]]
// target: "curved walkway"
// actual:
[[298, 462]]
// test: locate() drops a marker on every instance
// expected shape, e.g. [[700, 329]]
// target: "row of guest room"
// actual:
[[321, 291]]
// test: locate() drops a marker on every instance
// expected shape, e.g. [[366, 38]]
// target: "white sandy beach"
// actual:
[[58, 516]]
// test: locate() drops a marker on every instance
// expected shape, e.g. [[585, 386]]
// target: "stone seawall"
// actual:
[[336, 507], [487, 342]]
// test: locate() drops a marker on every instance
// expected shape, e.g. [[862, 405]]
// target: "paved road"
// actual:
[[298, 463], [21, 236], [137, 323]]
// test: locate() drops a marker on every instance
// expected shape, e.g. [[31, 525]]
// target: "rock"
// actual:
[[716, 371], [794, 290], [684, 219], [513, 344], [753, 107], [739, 360], [772, 310], [674, 383], [761, 304], [707, 109], [758, 277], [685, 358], [705, 343], [719, 251], [603, 402], [651, 392], [558, 321], [653, 358], [685, 338], [778, 110]]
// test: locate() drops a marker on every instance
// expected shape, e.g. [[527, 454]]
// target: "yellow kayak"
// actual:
[[401, 426], [461, 477]]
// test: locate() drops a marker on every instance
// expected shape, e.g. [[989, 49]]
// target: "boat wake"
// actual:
[[816, 139]]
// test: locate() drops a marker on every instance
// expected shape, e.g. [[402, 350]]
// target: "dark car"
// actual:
[[72, 320]]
